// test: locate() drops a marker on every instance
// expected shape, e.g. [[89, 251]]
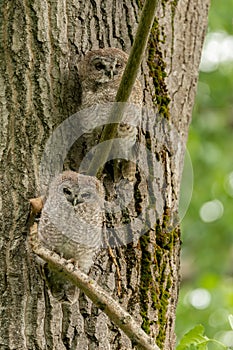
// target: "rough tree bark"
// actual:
[[40, 45]]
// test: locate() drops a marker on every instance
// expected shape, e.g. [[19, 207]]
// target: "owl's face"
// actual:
[[103, 66], [77, 190], [107, 69], [77, 195]]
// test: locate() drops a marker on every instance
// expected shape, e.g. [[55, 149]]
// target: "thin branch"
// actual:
[[101, 299], [126, 84]]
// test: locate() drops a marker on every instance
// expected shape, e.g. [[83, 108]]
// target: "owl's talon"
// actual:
[[72, 261]]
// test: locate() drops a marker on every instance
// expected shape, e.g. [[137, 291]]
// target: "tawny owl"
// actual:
[[100, 74], [71, 222]]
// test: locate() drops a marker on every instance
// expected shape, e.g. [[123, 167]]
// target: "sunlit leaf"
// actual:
[[195, 337]]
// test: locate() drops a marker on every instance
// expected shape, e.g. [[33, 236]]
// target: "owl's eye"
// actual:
[[67, 191], [86, 195], [118, 65], [99, 66]]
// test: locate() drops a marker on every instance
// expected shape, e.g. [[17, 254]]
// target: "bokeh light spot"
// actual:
[[218, 48], [200, 298], [211, 211], [218, 318], [227, 338]]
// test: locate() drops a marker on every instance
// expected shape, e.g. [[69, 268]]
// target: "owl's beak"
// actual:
[[110, 73], [77, 200]]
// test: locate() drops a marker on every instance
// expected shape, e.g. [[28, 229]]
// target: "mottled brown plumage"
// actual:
[[71, 222], [100, 74]]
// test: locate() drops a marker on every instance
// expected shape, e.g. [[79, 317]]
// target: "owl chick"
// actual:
[[100, 74], [71, 223]]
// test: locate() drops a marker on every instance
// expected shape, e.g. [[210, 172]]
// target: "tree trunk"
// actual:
[[40, 45]]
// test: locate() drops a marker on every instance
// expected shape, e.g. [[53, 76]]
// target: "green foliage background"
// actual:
[[207, 252]]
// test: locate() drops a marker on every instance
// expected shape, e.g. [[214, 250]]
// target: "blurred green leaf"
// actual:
[[194, 337]]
